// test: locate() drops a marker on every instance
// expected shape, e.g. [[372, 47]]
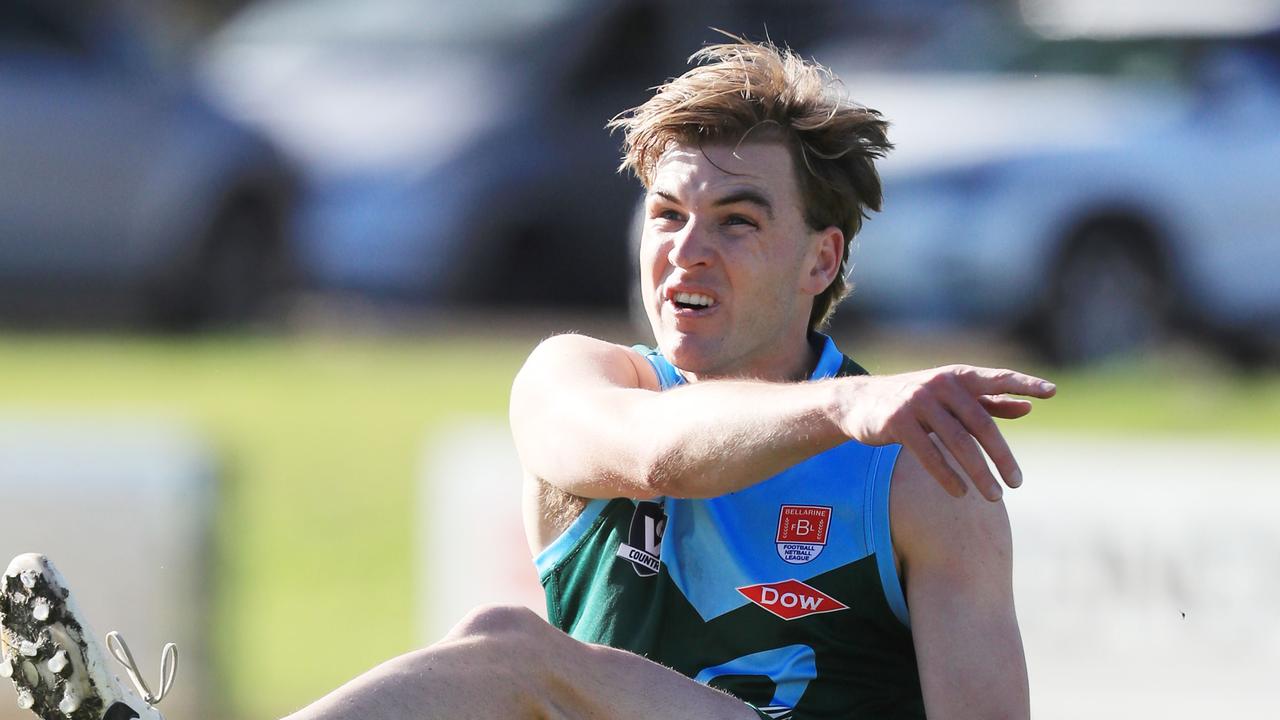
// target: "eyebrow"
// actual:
[[745, 195]]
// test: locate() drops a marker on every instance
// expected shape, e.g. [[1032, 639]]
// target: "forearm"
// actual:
[[716, 437], [700, 440]]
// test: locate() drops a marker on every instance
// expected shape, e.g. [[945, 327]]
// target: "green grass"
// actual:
[[321, 440], [1173, 390], [1146, 400]]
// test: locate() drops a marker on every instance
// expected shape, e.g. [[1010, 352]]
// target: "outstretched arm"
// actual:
[[587, 418], [956, 559]]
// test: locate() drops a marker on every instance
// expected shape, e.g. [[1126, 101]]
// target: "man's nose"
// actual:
[[691, 246]]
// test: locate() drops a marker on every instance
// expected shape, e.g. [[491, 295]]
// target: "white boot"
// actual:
[[56, 665]]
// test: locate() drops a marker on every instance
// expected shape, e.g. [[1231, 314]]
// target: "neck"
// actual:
[[793, 361]]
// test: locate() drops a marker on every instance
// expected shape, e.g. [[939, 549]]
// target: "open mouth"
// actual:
[[691, 301]]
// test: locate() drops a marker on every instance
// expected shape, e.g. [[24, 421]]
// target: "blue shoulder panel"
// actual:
[[829, 361], [668, 375], [552, 554], [880, 537]]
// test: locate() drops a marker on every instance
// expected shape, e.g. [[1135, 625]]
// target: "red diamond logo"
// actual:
[[791, 599]]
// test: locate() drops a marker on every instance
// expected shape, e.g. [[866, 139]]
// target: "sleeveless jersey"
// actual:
[[783, 594]]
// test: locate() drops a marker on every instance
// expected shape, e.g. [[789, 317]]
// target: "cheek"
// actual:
[[774, 279], [765, 271]]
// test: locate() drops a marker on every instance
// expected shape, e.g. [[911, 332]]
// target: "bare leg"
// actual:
[[505, 662]]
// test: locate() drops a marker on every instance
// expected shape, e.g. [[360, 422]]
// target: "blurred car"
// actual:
[[120, 185], [456, 152], [1089, 212]]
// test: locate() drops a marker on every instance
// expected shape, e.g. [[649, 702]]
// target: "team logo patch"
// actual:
[[791, 599], [644, 539], [802, 532]]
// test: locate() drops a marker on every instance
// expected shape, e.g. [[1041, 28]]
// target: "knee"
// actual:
[[510, 621]]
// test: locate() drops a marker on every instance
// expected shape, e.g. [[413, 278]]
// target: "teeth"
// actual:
[[685, 298], [25, 699], [27, 648]]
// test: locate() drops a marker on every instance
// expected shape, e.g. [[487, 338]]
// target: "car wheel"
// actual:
[[1110, 297], [238, 270]]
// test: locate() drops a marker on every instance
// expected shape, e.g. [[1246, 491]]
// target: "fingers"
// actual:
[[1005, 407], [978, 422], [914, 439], [959, 404], [990, 381], [956, 427]]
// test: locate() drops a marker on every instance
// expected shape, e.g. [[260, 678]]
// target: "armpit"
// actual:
[[557, 508]]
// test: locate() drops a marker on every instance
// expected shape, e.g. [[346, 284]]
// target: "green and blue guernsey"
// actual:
[[784, 594]]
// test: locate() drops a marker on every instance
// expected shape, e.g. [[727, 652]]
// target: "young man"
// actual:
[[733, 506]]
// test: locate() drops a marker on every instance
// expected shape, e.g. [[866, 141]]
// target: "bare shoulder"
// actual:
[[588, 358], [930, 527], [568, 388], [956, 559]]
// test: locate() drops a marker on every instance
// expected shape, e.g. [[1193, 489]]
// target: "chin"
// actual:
[[689, 353]]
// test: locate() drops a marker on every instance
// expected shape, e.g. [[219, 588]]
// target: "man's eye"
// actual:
[[739, 220], [668, 215]]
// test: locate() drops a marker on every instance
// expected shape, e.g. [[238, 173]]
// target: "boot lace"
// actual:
[[168, 668]]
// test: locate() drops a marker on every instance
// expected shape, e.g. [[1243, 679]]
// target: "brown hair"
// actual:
[[743, 88]]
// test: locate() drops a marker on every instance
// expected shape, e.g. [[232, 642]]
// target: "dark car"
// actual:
[[122, 190]]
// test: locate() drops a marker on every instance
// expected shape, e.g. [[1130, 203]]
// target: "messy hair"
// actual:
[[744, 91]]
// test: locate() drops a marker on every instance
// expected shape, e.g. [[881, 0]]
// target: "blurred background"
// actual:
[[267, 270]]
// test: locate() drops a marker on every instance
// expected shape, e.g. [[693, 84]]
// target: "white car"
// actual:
[[1089, 213]]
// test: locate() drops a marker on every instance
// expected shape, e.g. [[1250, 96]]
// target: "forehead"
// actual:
[[686, 169]]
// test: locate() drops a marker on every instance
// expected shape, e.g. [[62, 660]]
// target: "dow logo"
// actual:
[[791, 599]]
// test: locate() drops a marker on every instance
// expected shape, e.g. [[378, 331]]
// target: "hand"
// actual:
[[956, 404]]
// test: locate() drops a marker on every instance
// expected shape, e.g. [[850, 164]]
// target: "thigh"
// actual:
[[508, 663], [516, 653], [602, 682]]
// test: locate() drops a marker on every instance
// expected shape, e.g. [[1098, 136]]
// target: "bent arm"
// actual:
[[957, 560], [587, 417]]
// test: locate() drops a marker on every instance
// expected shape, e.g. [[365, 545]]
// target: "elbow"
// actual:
[[660, 475], [670, 471], [654, 479]]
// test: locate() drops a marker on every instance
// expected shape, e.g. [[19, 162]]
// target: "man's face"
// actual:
[[727, 261]]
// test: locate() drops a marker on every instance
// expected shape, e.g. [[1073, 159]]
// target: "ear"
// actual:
[[822, 264]]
